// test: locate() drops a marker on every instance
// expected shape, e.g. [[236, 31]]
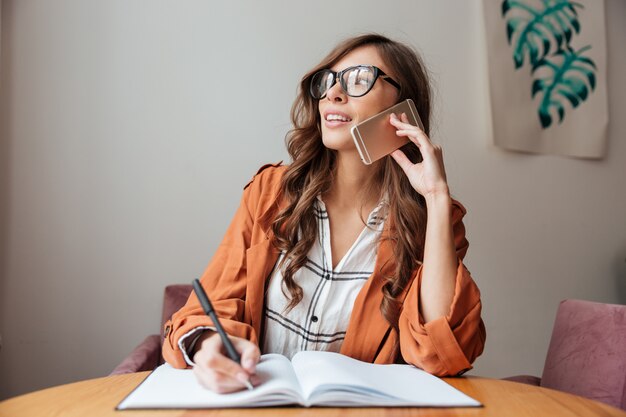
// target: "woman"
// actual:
[[331, 254]]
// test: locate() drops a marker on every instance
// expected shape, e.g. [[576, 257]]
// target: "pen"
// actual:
[[208, 309]]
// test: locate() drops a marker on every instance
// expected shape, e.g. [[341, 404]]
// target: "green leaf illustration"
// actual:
[[571, 79], [533, 27], [533, 30]]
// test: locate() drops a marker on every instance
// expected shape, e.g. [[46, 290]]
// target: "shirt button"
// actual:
[[314, 319], [327, 276]]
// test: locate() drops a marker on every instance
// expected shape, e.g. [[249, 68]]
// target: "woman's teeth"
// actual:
[[336, 117]]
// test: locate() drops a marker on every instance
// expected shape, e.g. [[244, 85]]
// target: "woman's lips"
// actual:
[[336, 119]]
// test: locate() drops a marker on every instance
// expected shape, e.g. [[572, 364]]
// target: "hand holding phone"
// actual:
[[376, 137]]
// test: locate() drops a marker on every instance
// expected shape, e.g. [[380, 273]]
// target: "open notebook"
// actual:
[[311, 378]]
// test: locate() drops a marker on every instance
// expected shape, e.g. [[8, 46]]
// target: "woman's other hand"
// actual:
[[429, 176], [216, 371]]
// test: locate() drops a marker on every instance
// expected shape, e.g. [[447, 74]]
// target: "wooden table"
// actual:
[[98, 397]]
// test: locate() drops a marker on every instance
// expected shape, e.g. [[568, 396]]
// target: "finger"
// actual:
[[414, 133], [220, 374], [202, 376], [256, 380], [417, 137], [211, 357], [394, 120], [250, 354], [402, 122], [402, 160], [217, 382], [227, 383]]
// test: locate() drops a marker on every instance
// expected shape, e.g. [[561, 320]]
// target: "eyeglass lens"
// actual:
[[358, 81], [355, 81]]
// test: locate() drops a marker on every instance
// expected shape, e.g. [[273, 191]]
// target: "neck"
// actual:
[[349, 188]]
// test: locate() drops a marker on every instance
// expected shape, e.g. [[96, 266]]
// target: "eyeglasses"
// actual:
[[356, 81]]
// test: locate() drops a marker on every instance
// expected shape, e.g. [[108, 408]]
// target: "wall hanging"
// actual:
[[547, 75]]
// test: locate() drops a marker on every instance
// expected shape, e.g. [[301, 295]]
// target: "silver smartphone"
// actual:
[[376, 137]]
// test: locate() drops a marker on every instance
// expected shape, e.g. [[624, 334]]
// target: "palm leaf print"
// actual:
[[565, 75], [533, 30], [567, 81]]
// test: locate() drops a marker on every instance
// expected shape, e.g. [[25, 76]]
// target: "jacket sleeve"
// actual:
[[224, 281], [446, 346]]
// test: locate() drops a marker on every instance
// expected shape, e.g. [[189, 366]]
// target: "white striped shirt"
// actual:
[[320, 320]]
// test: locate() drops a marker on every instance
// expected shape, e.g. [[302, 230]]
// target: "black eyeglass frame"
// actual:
[[339, 76]]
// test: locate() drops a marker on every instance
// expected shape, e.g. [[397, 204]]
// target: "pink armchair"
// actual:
[[147, 355], [587, 353]]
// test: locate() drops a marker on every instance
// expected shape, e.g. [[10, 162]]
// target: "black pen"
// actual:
[[208, 309]]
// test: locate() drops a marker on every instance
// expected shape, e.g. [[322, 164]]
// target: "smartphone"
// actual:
[[376, 137]]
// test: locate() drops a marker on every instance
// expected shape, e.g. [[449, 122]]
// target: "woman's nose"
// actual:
[[336, 93]]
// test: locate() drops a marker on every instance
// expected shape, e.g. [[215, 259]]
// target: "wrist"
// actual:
[[438, 197], [198, 343]]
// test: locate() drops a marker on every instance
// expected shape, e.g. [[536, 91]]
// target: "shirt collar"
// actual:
[[376, 217]]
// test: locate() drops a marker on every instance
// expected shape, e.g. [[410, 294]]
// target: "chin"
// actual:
[[338, 142]]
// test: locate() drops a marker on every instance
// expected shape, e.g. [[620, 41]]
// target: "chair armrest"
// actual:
[[145, 357], [524, 379]]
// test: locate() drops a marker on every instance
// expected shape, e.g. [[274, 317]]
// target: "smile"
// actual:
[[337, 118]]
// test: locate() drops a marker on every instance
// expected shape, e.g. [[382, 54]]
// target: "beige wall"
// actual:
[[129, 128]]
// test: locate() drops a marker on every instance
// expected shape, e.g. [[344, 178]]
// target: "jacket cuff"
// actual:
[[172, 352], [187, 342], [448, 350]]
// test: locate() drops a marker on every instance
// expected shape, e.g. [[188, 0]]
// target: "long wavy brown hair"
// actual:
[[295, 226]]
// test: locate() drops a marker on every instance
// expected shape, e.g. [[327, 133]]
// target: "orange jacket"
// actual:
[[235, 282]]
